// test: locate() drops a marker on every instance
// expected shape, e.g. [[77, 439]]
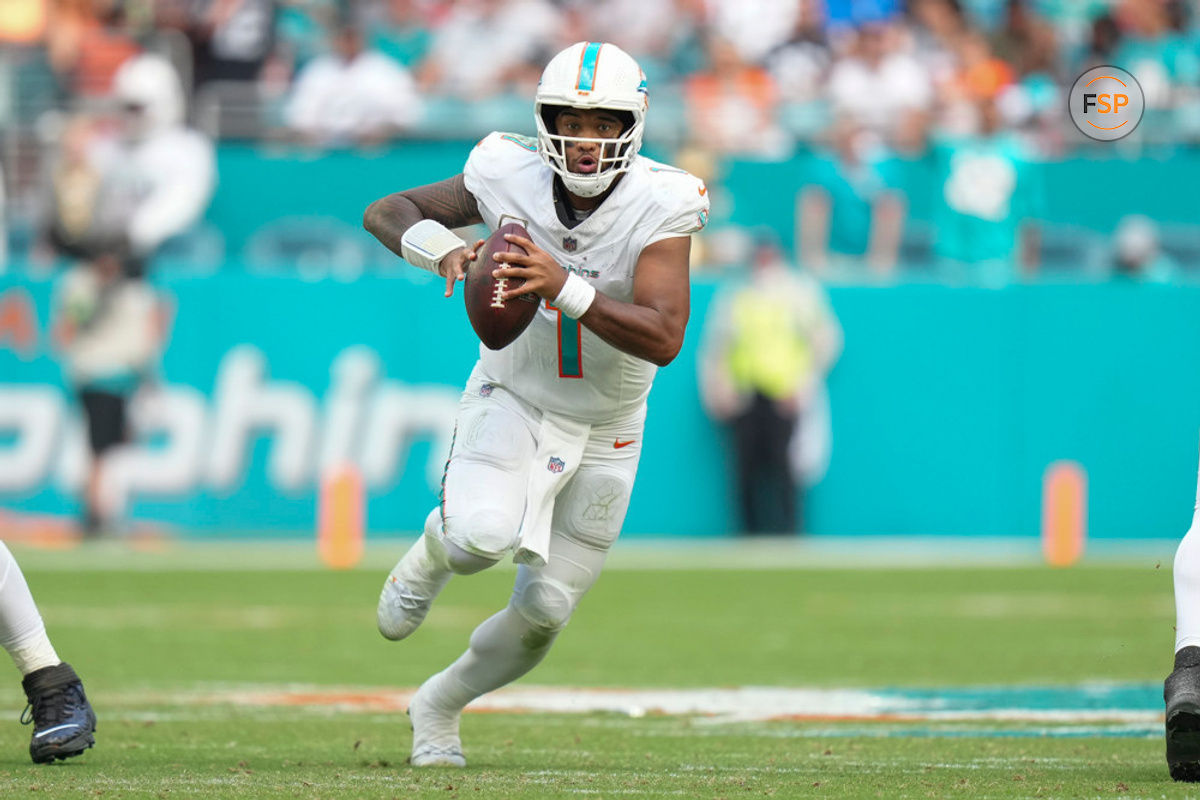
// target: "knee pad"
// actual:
[[545, 604], [463, 563], [484, 532], [592, 510], [446, 553]]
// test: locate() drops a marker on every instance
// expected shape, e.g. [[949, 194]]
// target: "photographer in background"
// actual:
[[110, 330], [122, 190]]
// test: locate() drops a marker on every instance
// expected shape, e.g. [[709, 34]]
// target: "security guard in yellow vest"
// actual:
[[768, 342]]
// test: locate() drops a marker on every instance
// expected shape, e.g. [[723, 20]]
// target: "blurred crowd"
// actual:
[[974, 86], [754, 75]]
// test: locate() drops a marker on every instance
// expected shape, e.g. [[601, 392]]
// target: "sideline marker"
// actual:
[[1064, 513], [341, 512]]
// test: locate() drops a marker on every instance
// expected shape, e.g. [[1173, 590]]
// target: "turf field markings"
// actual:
[[1088, 709]]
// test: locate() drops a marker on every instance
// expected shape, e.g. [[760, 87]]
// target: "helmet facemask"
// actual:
[[615, 155]]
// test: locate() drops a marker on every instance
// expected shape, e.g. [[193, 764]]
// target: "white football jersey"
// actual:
[[557, 364]]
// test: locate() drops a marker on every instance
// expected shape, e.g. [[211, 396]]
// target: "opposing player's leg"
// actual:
[[483, 497], [587, 519], [1182, 688], [63, 721]]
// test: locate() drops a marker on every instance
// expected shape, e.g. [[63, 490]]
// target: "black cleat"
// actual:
[[62, 717], [1182, 693]]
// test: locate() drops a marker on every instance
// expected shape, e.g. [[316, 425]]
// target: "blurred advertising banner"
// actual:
[[947, 406]]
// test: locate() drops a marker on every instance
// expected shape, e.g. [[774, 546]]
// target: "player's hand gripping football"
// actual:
[[543, 275], [454, 266]]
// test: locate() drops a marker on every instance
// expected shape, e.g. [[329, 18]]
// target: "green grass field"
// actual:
[[260, 681]]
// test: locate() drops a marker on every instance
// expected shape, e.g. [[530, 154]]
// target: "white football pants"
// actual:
[[483, 501]]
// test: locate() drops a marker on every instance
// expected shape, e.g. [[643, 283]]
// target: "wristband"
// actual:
[[576, 297], [425, 244]]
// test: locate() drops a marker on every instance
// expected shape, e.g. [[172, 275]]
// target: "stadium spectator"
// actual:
[[768, 343], [799, 66], [752, 27], [651, 36], [1137, 254], [352, 96], [851, 211], [401, 30], [230, 39], [87, 42], [989, 201], [879, 84], [124, 195], [733, 105], [936, 27], [978, 75], [1155, 50], [456, 67], [1026, 40], [1104, 37]]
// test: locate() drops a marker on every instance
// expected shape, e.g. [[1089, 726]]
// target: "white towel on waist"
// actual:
[[561, 443]]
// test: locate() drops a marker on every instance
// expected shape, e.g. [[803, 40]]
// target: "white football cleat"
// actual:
[[409, 592], [436, 742]]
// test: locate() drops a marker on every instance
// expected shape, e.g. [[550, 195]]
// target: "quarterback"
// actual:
[[549, 429]]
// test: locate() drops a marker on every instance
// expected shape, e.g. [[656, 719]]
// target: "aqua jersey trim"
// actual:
[[531, 147], [587, 67]]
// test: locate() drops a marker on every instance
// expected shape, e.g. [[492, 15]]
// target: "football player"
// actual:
[[549, 429], [62, 717], [1182, 688]]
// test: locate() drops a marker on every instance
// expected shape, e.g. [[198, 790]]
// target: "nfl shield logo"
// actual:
[[570, 243], [556, 464], [486, 390]]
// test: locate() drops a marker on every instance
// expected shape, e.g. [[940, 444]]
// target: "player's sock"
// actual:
[[503, 648], [414, 583], [499, 654], [22, 632], [436, 741]]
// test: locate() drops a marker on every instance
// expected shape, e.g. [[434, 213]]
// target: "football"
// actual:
[[497, 321]]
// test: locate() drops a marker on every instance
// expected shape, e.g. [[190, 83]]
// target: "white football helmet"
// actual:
[[591, 75]]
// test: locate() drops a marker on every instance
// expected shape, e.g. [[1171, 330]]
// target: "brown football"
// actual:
[[496, 321]]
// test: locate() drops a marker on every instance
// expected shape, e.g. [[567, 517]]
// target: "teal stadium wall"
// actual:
[[948, 402]]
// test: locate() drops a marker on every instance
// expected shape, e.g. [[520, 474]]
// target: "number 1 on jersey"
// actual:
[[570, 345]]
